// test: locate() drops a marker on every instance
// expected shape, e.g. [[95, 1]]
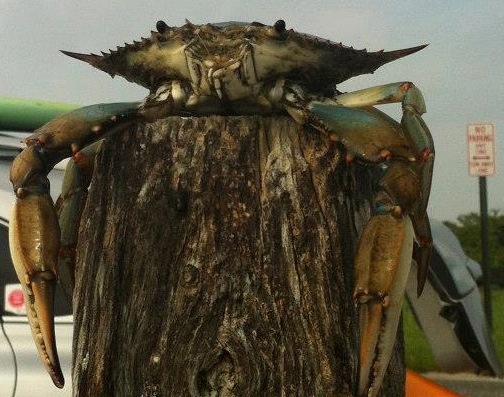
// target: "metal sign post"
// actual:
[[481, 157]]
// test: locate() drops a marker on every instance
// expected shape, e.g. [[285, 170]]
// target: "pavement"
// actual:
[[469, 385]]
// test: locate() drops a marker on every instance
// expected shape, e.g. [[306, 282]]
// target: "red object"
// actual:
[[419, 386], [16, 298]]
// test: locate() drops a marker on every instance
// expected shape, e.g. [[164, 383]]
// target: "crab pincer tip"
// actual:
[[58, 379]]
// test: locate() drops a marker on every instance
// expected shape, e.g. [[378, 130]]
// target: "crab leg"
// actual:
[[34, 224], [418, 138], [69, 207], [405, 154], [371, 136], [382, 270], [34, 233]]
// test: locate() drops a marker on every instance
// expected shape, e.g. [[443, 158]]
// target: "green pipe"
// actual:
[[28, 115]]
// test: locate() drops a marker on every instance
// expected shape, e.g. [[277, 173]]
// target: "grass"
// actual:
[[419, 355], [418, 352]]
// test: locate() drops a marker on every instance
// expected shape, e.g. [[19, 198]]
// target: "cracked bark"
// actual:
[[215, 259]]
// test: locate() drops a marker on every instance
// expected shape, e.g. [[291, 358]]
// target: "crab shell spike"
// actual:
[[380, 58], [89, 58]]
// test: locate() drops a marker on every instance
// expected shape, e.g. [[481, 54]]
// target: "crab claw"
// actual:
[[382, 264], [34, 224], [34, 232]]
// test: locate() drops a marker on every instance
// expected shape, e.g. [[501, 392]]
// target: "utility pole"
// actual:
[[485, 249]]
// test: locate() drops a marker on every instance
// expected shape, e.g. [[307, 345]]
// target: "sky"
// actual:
[[461, 72]]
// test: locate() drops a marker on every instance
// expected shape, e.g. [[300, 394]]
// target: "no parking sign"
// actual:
[[481, 149]]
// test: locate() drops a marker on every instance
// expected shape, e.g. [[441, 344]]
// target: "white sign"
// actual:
[[481, 149], [14, 299]]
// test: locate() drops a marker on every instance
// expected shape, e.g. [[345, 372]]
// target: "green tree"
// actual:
[[468, 230]]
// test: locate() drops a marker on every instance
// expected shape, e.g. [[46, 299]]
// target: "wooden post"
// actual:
[[215, 259]]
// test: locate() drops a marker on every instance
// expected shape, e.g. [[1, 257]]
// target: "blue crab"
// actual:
[[236, 69]]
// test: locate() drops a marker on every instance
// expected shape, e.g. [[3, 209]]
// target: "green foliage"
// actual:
[[498, 321], [468, 230]]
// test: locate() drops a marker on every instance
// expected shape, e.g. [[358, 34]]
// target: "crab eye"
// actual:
[[161, 26], [279, 26]]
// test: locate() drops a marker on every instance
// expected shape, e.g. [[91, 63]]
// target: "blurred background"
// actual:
[[460, 74]]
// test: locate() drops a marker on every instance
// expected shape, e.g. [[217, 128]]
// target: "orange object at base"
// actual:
[[419, 386]]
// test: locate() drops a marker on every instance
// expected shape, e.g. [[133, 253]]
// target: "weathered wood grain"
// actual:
[[215, 259]]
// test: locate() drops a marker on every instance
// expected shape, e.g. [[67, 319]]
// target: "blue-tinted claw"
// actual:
[[34, 232], [78, 128], [405, 152], [34, 243], [366, 133]]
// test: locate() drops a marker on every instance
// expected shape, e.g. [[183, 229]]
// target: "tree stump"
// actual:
[[215, 259]]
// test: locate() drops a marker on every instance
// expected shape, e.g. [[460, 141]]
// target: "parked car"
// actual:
[[21, 372], [450, 312]]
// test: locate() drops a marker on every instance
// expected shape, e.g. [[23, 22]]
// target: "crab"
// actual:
[[238, 68]]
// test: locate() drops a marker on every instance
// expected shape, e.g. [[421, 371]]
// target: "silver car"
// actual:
[[21, 372]]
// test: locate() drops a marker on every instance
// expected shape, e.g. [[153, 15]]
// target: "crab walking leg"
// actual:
[[69, 207], [34, 233], [418, 131]]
